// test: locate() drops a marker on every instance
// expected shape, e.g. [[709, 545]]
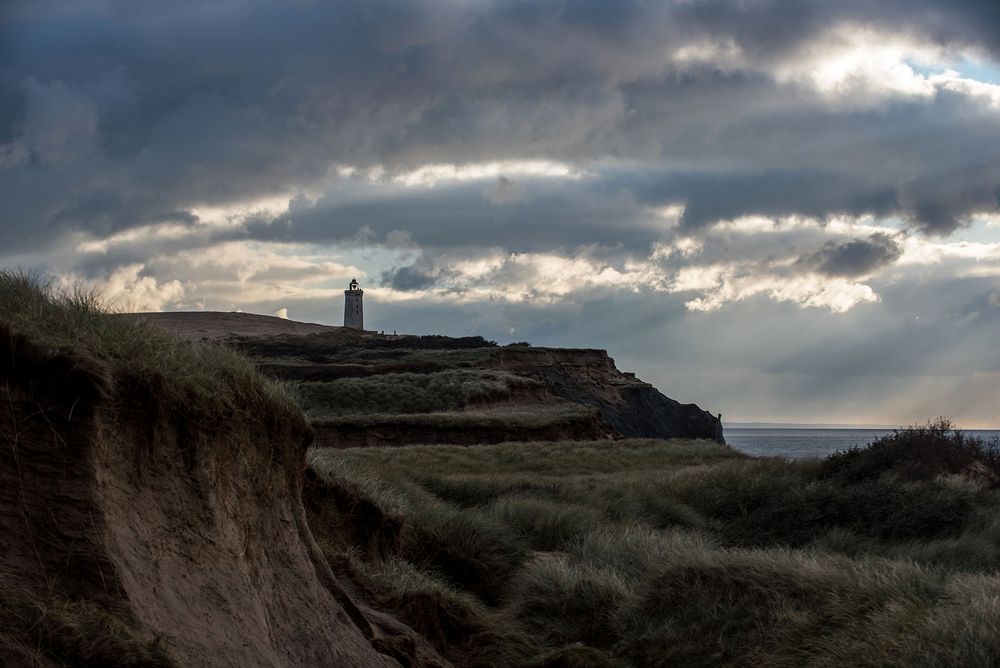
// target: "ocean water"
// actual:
[[795, 443]]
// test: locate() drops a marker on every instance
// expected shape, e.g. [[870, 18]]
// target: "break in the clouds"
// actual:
[[779, 210]]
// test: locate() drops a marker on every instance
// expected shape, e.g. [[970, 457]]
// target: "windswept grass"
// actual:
[[345, 346], [538, 416], [132, 359], [654, 553], [39, 630], [409, 392]]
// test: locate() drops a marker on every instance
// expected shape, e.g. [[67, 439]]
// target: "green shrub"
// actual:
[[918, 453]]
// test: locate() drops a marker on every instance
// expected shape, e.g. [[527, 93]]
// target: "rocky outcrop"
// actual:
[[633, 408]]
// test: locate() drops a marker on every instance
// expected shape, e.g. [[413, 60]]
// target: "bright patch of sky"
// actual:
[[966, 67], [980, 70]]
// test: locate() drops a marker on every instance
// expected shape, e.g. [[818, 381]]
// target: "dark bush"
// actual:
[[918, 453]]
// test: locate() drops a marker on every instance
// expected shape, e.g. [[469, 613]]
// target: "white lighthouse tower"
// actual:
[[354, 310]]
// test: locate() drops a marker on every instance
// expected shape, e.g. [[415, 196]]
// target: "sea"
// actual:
[[795, 443]]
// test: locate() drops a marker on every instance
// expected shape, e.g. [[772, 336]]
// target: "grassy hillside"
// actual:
[[661, 553]]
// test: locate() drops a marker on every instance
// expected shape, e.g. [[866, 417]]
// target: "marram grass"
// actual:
[[685, 553]]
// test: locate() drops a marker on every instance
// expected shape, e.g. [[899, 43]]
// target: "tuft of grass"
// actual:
[[445, 615], [132, 361], [565, 602], [39, 629], [471, 549], [543, 523]]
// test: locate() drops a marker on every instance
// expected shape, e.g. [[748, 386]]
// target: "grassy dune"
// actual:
[[133, 359], [659, 553], [409, 392], [65, 348]]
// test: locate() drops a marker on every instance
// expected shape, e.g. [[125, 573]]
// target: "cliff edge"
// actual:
[[633, 408], [367, 389], [150, 503]]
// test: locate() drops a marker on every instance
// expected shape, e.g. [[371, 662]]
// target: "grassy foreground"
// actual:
[[662, 553]]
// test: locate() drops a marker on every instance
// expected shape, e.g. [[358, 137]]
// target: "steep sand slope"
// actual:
[[184, 520]]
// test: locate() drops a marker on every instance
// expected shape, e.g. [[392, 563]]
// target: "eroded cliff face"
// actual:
[[182, 536], [633, 408], [326, 363]]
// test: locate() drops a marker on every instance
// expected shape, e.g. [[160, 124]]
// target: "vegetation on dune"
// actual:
[[537, 416], [347, 346], [39, 630], [64, 354], [130, 360], [409, 392], [687, 553], [597, 553]]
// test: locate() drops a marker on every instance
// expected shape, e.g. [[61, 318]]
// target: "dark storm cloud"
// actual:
[[119, 114], [408, 278], [857, 257], [560, 215]]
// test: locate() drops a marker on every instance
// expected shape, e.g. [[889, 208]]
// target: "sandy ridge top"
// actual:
[[218, 324]]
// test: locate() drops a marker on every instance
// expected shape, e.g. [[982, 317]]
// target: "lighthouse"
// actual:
[[354, 310]]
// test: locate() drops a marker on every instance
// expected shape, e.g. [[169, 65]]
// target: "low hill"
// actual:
[[363, 388], [196, 325]]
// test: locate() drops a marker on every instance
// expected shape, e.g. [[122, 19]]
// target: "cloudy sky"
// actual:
[[779, 210]]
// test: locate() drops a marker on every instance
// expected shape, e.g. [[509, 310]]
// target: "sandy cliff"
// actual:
[[175, 530], [633, 408]]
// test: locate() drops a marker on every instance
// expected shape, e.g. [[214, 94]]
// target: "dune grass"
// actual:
[[37, 630], [532, 416], [659, 553], [63, 350], [135, 360], [409, 392]]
